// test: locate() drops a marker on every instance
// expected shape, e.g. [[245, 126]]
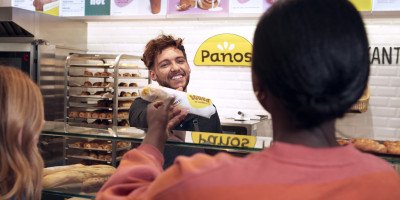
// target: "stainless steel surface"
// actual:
[[21, 47], [49, 39], [19, 25], [252, 127], [51, 79]]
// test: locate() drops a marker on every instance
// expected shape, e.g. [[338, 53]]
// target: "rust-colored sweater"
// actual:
[[283, 171]]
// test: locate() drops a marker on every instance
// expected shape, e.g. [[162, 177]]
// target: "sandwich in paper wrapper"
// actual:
[[197, 105]]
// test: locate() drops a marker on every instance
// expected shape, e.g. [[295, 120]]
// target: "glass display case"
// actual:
[[58, 140]]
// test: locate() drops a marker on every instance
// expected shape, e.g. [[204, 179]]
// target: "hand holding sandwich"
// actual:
[[162, 116]]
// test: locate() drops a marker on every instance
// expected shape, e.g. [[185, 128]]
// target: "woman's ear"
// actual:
[[261, 94], [153, 75]]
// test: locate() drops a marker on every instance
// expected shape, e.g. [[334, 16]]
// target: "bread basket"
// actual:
[[362, 104]]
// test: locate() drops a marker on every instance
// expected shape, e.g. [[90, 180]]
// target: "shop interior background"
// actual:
[[230, 87]]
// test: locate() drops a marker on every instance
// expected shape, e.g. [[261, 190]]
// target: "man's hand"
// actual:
[[180, 89], [162, 116]]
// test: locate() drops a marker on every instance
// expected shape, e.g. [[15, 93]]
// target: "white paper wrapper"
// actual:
[[197, 105]]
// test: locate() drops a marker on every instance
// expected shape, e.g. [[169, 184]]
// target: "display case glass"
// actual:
[[57, 140]]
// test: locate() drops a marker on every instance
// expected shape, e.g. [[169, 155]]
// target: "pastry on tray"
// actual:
[[73, 114], [85, 93], [97, 84], [87, 84], [122, 84], [87, 73]]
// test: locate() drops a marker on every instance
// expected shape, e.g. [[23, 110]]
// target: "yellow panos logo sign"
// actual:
[[225, 50]]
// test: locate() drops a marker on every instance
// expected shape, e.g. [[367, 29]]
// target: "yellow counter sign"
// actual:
[[231, 140], [224, 50]]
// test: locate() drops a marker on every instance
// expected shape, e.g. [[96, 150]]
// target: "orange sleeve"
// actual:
[[140, 174], [137, 170]]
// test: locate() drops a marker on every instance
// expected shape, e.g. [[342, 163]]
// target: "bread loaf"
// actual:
[[93, 184], [52, 170], [73, 175]]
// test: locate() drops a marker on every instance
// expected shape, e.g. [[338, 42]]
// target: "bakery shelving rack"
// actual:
[[95, 151], [96, 88], [113, 89]]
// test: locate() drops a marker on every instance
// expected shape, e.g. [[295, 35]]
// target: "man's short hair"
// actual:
[[155, 46]]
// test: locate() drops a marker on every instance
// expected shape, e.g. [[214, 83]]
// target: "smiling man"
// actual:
[[165, 57]]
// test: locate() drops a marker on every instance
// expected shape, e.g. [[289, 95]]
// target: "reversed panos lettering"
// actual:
[[224, 141]]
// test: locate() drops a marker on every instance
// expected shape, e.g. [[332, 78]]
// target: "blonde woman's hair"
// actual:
[[21, 111]]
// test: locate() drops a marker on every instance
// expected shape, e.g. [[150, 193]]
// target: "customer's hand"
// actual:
[[162, 116]]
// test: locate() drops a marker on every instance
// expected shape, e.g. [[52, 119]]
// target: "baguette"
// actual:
[[52, 170], [76, 175], [93, 184], [196, 105]]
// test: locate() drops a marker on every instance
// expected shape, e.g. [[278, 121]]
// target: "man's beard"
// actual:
[[165, 84]]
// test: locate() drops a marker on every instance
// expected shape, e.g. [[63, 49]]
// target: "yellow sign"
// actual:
[[218, 139], [198, 101], [51, 8], [362, 5], [224, 50]]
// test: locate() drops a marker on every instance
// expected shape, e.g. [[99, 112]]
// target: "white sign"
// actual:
[[72, 8], [135, 7], [246, 6], [385, 5], [24, 4]]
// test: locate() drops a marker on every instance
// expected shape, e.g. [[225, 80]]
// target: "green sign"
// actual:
[[97, 7]]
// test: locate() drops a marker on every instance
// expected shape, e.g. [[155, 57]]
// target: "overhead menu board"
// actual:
[[246, 6], [249, 6], [97, 7], [198, 7], [72, 8], [172, 8], [24, 4], [50, 7], [386, 5], [135, 7]]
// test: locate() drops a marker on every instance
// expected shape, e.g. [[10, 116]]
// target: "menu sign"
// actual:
[[224, 50], [50, 7], [386, 5], [136, 7], [246, 6], [72, 8], [250, 6], [97, 7], [198, 6], [24, 4]]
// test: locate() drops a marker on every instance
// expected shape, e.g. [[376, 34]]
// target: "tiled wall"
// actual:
[[230, 87]]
